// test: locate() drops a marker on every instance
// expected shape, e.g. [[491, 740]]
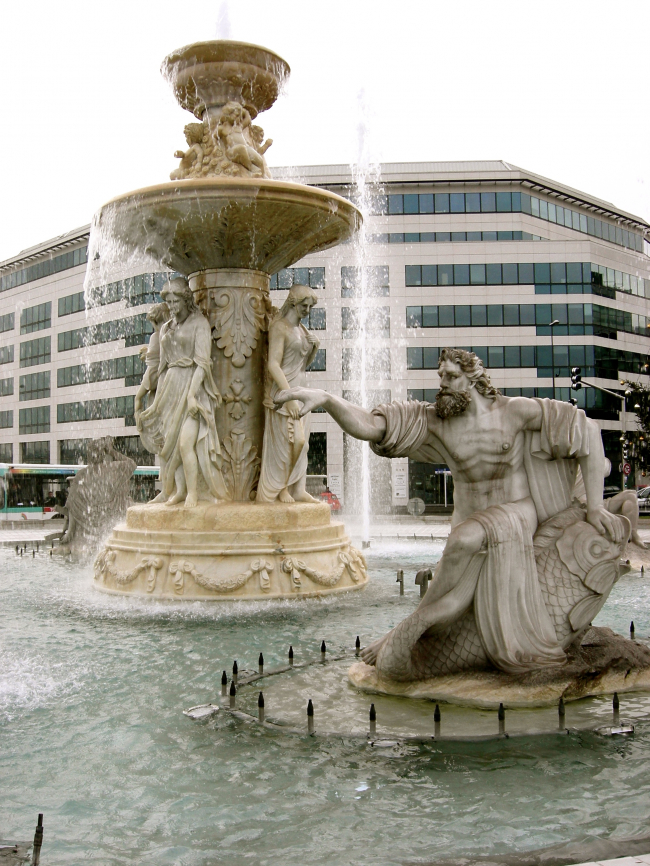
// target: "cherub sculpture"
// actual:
[[192, 158], [235, 135]]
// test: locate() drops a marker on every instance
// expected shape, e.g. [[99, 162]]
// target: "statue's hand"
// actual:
[[192, 406], [607, 524], [293, 408], [309, 397]]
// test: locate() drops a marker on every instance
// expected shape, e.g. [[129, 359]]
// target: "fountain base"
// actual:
[[604, 663], [228, 552]]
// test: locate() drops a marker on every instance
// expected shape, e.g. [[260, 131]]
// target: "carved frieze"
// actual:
[[239, 317]]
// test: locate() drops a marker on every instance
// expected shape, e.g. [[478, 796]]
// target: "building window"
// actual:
[[377, 322], [72, 452], [377, 363], [6, 354], [93, 410], [6, 419], [423, 395], [33, 352], [134, 331], [450, 237], [35, 452], [132, 447], [36, 318], [6, 387], [370, 282], [131, 368], [316, 320], [72, 304], [317, 456], [319, 364], [45, 268], [35, 419], [6, 452], [34, 386], [7, 322], [284, 279]]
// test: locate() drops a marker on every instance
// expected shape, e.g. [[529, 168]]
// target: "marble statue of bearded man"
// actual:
[[514, 462]]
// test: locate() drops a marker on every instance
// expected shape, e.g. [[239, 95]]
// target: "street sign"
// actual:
[[415, 507], [626, 469]]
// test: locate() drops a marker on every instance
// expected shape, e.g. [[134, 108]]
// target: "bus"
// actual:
[[35, 489]]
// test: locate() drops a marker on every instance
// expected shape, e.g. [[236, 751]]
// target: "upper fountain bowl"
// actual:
[[207, 75]]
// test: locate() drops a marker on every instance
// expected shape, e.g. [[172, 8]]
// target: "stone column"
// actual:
[[236, 303]]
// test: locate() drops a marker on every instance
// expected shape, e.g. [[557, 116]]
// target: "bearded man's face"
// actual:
[[454, 395]]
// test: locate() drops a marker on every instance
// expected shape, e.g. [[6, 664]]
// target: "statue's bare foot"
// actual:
[[191, 500], [175, 499], [369, 653], [285, 496], [161, 497], [304, 497]]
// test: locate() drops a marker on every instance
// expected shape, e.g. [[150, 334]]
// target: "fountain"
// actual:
[[226, 227]]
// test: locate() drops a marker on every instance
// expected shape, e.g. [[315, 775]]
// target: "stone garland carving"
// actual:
[[230, 584], [103, 568], [240, 466], [350, 560], [236, 400], [235, 148], [178, 569], [238, 319]]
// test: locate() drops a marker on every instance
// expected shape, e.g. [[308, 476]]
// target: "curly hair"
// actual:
[[472, 367], [179, 286]]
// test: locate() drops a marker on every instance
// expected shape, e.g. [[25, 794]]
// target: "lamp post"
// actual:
[[551, 326]]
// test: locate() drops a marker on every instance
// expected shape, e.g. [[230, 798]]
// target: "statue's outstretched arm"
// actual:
[[355, 420]]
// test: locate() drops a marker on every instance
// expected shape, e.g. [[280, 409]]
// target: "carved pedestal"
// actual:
[[230, 551], [236, 303]]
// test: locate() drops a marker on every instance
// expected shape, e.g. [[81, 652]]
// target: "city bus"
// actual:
[[35, 489]]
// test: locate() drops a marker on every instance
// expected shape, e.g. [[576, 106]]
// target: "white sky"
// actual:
[[559, 88]]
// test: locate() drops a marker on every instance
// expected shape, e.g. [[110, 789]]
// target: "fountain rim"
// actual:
[[184, 54], [249, 187]]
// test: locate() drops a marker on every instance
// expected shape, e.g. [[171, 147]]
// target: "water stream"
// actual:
[[92, 689]]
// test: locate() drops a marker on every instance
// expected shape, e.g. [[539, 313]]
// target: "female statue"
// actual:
[[286, 436], [180, 423]]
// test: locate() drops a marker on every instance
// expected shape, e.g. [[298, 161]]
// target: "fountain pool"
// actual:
[[92, 689]]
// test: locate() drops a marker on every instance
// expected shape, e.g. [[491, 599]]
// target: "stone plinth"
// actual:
[[603, 663], [229, 551]]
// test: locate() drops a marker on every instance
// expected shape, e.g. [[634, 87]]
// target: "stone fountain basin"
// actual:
[[201, 223]]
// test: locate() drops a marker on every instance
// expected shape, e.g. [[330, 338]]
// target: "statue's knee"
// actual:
[[469, 537]]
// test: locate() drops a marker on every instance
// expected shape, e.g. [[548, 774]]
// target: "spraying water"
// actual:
[[365, 178]]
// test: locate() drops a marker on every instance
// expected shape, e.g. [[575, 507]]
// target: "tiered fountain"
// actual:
[[226, 226]]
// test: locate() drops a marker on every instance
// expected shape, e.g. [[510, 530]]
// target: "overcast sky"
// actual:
[[559, 88]]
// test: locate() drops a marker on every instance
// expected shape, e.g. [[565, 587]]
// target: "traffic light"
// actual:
[[576, 378]]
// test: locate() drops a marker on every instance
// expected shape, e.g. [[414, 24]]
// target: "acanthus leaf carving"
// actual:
[[240, 316], [241, 466]]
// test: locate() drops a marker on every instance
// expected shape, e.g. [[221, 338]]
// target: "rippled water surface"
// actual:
[[92, 689]]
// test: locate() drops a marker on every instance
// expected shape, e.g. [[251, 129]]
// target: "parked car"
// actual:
[[331, 499], [643, 498]]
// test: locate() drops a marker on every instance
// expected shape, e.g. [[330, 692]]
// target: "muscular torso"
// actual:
[[485, 452]]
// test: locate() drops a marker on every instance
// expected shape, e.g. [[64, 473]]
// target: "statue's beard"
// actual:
[[450, 403]]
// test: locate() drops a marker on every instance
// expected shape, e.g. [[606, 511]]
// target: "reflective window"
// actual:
[[36, 318]]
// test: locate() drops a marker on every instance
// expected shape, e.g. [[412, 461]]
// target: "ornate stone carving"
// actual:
[[231, 584], [103, 568], [350, 560], [238, 320], [241, 466], [178, 570], [237, 400]]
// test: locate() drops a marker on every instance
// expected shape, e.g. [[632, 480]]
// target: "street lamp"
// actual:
[[551, 326]]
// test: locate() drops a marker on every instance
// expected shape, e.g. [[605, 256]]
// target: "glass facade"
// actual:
[[34, 386], [36, 318], [7, 322], [35, 452], [44, 268], [6, 452], [34, 419], [94, 410], [508, 202], [6, 354], [33, 352], [287, 277], [562, 278], [316, 320], [130, 368], [6, 387], [377, 322], [377, 363], [375, 277], [72, 304], [6, 419], [573, 319], [134, 331], [449, 237], [319, 364]]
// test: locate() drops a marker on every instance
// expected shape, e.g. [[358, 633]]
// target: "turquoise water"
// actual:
[[92, 689]]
